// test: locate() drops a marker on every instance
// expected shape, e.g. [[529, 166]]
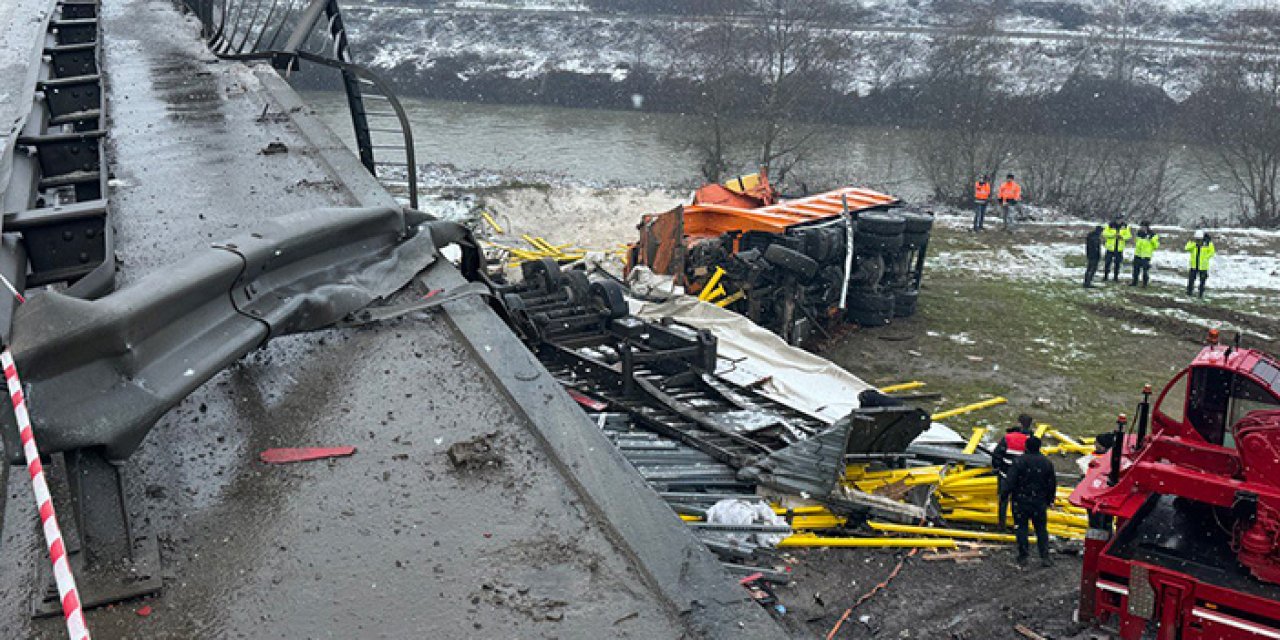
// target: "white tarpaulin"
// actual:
[[753, 356]]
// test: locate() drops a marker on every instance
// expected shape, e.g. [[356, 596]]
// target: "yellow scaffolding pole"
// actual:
[[898, 474], [1062, 520], [970, 408], [492, 223], [966, 474], [975, 440], [947, 533], [905, 386], [807, 540], [730, 299], [816, 522], [709, 289]]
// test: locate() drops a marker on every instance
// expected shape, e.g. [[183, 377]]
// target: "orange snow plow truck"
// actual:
[[797, 266]]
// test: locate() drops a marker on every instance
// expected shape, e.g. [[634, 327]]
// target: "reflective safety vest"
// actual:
[[1016, 441], [1199, 256], [982, 191], [1116, 239], [1010, 191], [1146, 247]]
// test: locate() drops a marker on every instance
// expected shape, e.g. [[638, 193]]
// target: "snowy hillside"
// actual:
[[527, 40]]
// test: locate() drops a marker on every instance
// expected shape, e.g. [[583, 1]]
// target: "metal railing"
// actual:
[[286, 32], [56, 196]]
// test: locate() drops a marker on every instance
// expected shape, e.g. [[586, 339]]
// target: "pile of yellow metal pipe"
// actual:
[[540, 248], [965, 496], [975, 499]]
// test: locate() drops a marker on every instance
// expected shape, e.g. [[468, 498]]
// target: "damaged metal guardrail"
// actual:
[[129, 357], [135, 353]]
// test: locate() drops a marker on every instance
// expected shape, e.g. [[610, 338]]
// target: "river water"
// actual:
[[636, 148]]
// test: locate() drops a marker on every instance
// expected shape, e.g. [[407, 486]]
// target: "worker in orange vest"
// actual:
[[981, 196], [1010, 197], [1012, 445]]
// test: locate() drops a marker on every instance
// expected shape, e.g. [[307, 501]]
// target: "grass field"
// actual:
[[1022, 326]]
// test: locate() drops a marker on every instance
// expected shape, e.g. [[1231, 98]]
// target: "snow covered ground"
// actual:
[[1064, 262], [1247, 260]]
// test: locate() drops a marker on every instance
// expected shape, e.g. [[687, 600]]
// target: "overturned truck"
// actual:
[[798, 267]]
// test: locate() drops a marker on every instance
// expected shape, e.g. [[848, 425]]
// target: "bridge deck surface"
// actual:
[[392, 542]]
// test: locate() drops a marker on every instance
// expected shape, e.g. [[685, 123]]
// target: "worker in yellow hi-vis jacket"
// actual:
[[1200, 252], [1115, 239], [1144, 247]]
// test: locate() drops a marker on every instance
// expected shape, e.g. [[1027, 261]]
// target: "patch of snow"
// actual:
[[1140, 331], [1208, 323]]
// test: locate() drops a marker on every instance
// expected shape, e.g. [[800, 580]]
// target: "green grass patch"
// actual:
[[1038, 344]]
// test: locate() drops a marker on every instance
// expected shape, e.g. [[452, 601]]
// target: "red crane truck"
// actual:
[[1184, 516]]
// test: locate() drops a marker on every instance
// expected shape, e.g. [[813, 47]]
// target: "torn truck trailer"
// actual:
[[665, 378], [797, 267]]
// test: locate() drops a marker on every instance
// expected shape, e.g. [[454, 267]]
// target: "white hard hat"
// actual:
[[1199, 235]]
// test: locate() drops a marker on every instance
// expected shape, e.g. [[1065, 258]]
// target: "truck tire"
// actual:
[[546, 272], [873, 243], [608, 296], [916, 222], [871, 301], [577, 282], [915, 239], [821, 245], [885, 224], [791, 260], [904, 303]]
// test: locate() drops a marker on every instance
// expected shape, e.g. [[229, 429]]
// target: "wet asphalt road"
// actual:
[[390, 543]]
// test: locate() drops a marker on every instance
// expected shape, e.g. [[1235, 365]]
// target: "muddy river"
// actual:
[[635, 148]]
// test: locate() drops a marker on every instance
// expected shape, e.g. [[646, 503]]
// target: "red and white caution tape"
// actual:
[[48, 519], [9, 285]]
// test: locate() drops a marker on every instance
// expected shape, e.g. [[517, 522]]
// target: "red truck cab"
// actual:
[[1184, 523]]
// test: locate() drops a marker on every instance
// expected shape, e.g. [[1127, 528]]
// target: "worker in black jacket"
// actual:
[[1013, 444], [1034, 487], [1092, 255]]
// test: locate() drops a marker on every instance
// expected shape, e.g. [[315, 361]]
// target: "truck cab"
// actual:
[[1184, 522], [1220, 388]]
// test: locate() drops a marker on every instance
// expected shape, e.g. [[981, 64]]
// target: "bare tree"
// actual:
[[968, 132], [796, 59], [1098, 178], [1120, 22], [1237, 114], [712, 57], [765, 73]]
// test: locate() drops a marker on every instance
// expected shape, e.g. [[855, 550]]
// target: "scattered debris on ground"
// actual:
[[273, 148], [304, 454], [475, 454], [768, 479]]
